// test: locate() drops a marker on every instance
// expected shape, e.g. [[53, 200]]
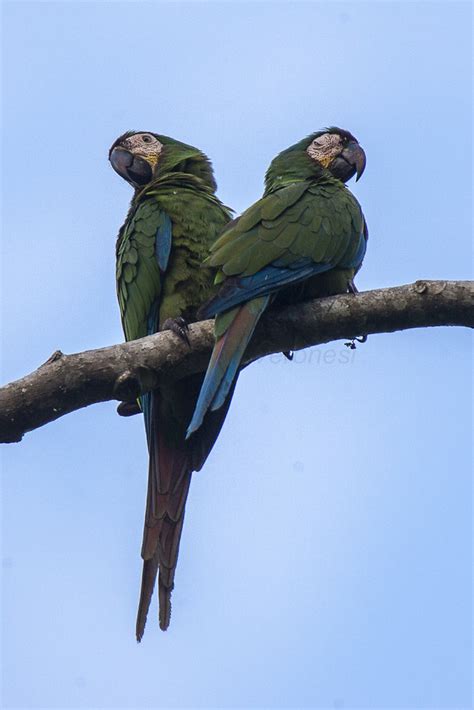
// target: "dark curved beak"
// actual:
[[120, 160], [355, 156], [132, 168]]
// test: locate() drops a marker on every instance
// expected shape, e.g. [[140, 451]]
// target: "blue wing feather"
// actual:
[[358, 257], [163, 240], [266, 281]]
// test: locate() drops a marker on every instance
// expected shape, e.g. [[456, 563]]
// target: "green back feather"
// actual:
[[183, 189]]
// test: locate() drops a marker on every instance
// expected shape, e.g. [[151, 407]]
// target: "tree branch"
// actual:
[[68, 382]]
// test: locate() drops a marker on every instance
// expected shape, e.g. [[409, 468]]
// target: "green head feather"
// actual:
[[294, 163], [183, 158]]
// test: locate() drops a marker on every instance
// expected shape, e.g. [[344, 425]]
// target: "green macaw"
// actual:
[[306, 237], [173, 219]]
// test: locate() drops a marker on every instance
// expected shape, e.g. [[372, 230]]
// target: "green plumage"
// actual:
[[306, 237], [197, 218], [322, 221], [173, 219]]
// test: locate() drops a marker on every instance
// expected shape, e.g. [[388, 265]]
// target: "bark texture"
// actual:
[[65, 383]]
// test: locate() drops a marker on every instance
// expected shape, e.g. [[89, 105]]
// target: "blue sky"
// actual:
[[326, 557]]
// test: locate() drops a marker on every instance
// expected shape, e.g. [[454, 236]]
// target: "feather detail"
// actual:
[[169, 476], [272, 278], [163, 240], [172, 222], [225, 359]]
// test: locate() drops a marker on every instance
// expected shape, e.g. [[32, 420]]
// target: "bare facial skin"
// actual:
[[144, 144], [325, 148]]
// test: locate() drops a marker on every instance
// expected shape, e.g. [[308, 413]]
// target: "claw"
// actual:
[[179, 327], [128, 409], [352, 343], [352, 288]]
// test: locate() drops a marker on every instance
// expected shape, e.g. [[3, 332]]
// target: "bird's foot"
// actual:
[[352, 288], [128, 409], [352, 343], [179, 327]]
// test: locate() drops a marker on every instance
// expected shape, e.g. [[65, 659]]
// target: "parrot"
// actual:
[[305, 238], [173, 219]]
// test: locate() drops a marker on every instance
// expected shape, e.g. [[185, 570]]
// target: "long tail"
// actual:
[[237, 327], [172, 461], [169, 476]]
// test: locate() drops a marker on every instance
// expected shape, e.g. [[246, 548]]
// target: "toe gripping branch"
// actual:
[[128, 386], [179, 327], [128, 409], [352, 288], [359, 339]]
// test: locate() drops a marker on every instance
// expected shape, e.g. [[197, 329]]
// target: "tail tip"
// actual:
[[194, 426], [165, 614]]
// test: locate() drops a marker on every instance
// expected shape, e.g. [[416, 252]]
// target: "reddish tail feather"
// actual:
[[169, 477]]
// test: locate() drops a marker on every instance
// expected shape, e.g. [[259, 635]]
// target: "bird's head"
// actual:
[[134, 156], [140, 157], [338, 151], [333, 149]]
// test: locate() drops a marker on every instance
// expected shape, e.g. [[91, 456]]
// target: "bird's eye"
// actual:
[[147, 139]]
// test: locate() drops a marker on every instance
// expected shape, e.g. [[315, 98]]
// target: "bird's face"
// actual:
[[134, 156], [339, 152]]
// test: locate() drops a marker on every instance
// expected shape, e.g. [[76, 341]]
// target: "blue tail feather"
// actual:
[[225, 360]]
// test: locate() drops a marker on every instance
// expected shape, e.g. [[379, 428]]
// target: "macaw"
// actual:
[[173, 219], [305, 238]]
